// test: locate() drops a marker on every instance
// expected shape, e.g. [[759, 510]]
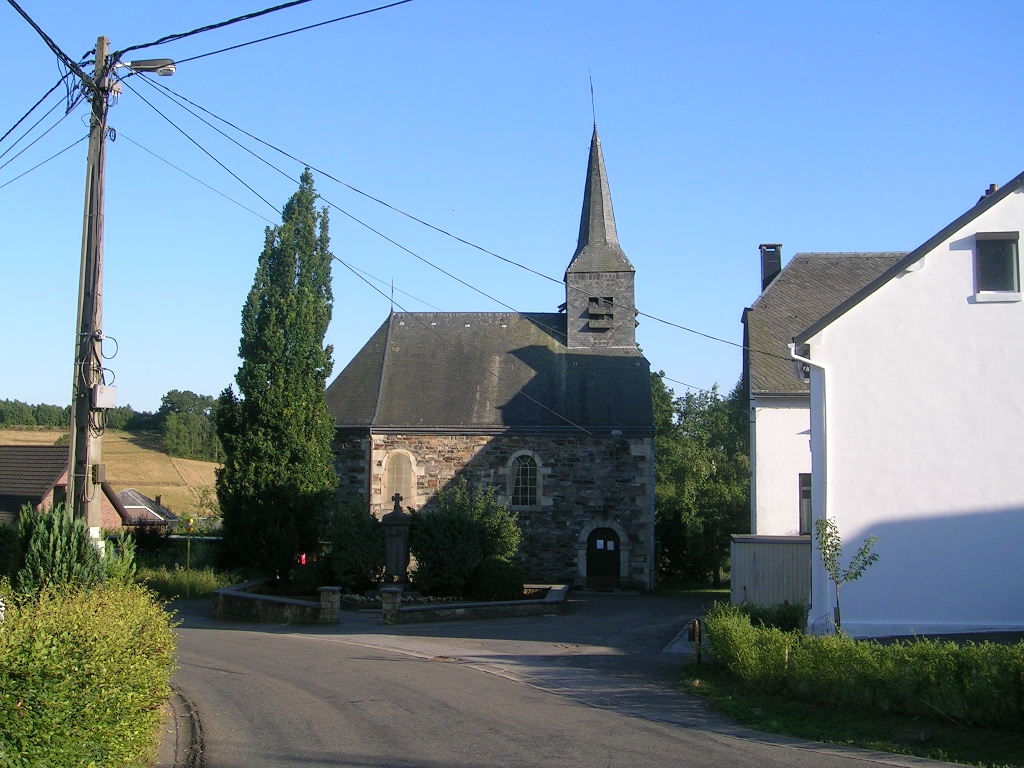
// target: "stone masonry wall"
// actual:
[[585, 482]]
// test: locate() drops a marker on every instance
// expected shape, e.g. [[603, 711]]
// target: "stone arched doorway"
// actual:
[[604, 558]]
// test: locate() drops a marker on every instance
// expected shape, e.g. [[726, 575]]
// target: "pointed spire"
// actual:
[[598, 249]]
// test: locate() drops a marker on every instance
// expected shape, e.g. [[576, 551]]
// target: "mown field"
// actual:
[[135, 461]]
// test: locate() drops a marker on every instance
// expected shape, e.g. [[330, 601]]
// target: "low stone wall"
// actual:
[[237, 603], [553, 604]]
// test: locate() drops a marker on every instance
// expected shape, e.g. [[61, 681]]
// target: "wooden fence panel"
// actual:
[[767, 570]]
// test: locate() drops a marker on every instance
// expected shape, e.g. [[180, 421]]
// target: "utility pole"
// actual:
[[90, 397], [87, 417]]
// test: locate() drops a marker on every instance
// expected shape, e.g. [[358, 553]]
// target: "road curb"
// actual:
[[181, 743]]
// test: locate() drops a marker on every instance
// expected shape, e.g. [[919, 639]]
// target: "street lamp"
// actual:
[[162, 67], [89, 396]]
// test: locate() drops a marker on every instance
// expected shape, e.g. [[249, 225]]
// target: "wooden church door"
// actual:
[[603, 559]]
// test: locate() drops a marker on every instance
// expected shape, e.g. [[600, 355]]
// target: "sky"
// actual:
[[856, 126]]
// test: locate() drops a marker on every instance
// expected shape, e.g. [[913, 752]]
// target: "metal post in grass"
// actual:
[[190, 524]]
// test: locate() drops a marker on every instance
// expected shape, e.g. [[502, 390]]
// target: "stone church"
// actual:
[[551, 409]]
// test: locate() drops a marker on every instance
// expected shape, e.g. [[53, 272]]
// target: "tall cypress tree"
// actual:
[[278, 474]]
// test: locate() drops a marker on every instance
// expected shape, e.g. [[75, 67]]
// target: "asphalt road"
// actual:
[[589, 689]]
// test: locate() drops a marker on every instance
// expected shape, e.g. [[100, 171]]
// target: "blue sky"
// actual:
[[822, 126]]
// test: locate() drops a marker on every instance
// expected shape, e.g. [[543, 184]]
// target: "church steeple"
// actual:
[[599, 293], [598, 249]]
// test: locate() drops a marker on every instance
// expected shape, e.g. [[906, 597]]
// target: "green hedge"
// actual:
[[972, 683], [84, 676]]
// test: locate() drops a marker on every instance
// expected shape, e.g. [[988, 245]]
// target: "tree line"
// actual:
[[185, 421], [702, 489]]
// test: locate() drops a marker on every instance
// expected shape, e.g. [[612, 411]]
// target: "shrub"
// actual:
[[119, 566], [355, 558], [449, 542], [496, 579], [974, 683], [55, 549], [787, 616], [83, 676], [446, 545], [8, 549], [758, 655]]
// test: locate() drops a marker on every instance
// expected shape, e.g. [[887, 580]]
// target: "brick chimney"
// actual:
[[771, 263]]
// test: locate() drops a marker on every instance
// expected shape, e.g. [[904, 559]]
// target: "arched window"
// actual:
[[398, 478], [523, 477]]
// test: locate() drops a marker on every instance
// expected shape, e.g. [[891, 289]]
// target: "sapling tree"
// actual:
[[830, 544]]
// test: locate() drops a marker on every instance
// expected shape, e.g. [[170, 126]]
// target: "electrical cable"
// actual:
[[61, 56], [414, 316], [37, 138], [201, 147], [259, 215], [401, 212], [341, 210], [210, 27], [44, 162], [289, 32], [30, 111], [555, 331], [194, 178]]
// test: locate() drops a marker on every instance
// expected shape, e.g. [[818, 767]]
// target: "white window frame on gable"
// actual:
[[996, 266]]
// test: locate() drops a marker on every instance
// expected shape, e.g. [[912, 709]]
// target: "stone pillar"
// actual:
[[330, 605], [390, 602]]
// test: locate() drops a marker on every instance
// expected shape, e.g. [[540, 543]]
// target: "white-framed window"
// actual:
[[996, 266], [524, 481]]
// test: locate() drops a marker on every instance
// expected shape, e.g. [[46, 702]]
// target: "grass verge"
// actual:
[[934, 739], [177, 582]]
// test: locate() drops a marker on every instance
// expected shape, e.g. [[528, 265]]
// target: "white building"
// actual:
[[811, 285], [917, 432]]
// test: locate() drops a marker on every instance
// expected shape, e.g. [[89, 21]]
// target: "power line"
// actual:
[[262, 39], [209, 27], [413, 316], [121, 135], [201, 147], [358, 191], [36, 139], [30, 111], [427, 224], [51, 157], [66, 60], [333, 205]]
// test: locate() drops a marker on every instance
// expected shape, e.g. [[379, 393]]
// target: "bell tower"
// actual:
[[600, 304]]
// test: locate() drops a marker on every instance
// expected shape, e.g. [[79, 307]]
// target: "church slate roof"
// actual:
[[811, 285], [461, 372]]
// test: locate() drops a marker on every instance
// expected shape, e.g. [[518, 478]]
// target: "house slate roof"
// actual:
[[598, 248], [462, 372], [984, 203], [142, 510], [27, 474], [811, 285]]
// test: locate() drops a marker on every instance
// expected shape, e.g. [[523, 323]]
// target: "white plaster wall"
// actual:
[[781, 451], [925, 402]]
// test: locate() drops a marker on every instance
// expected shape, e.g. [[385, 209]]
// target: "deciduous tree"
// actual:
[[703, 484], [278, 474]]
